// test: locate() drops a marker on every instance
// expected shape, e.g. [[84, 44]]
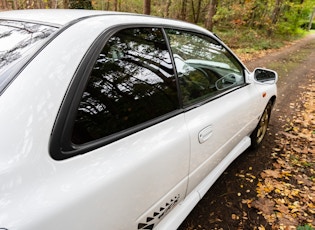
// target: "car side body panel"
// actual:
[[222, 116], [137, 182], [105, 180]]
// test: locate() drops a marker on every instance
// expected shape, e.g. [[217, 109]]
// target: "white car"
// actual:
[[118, 121]]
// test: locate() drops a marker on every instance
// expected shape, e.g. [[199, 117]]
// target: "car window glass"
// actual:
[[16, 37], [204, 67], [131, 82]]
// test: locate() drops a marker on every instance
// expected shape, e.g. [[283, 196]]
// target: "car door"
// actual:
[[220, 107], [127, 124]]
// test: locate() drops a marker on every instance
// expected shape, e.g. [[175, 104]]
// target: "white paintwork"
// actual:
[[58, 17], [227, 129], [174, 219], [121, 184]]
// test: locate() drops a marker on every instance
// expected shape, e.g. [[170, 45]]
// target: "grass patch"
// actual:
[[250, 41]]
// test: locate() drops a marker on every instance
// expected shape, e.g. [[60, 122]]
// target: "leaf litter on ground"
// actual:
[[286, 191]]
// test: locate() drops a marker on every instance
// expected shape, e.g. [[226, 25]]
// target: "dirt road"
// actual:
[[223, 206]]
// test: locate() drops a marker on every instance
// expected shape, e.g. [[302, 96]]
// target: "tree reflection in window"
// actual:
[[17, 37], [131, 82]]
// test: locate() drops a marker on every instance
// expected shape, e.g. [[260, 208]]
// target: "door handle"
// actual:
[[205, 134]]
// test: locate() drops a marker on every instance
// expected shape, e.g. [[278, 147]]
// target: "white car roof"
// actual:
[[61, 17], [57, 17]]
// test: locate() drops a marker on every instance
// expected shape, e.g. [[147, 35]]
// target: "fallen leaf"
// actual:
[[270, 173], [266, 206]]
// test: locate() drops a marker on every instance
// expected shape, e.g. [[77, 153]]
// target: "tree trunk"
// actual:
[[211, 12], [275, 16], [65, 4], [56, 4], [15, 5], [147, 7], [119, 5], [183, 10], [4, 4], [196, 12], [311, 20], [107, 5], [167, 8], [115, 5], [276, 12]]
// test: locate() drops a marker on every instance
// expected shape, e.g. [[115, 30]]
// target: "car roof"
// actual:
[[62, 17], [56, 17]]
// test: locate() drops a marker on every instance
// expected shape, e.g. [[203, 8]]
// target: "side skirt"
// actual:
[[182, 210]]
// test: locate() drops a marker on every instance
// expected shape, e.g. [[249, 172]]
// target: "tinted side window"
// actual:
[[205, 68], [131, 82], [16, 39]]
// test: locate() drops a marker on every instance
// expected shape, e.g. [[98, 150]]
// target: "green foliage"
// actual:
[[244, 21], [305, 227], [250, 39], [292, 18]]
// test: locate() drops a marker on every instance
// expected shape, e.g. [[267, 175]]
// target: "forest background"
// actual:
[[247, 26]]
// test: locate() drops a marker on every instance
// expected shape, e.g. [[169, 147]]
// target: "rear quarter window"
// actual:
[[16, 39], [132, 82]]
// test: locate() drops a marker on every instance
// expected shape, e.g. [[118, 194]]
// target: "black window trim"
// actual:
[[61, 147]]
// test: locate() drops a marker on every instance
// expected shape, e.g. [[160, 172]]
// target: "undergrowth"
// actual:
[[246, 40]]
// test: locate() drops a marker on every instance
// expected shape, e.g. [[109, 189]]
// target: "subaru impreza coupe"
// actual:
[[118, 121]]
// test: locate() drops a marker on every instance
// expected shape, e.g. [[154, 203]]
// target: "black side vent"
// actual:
[[157, 215]]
